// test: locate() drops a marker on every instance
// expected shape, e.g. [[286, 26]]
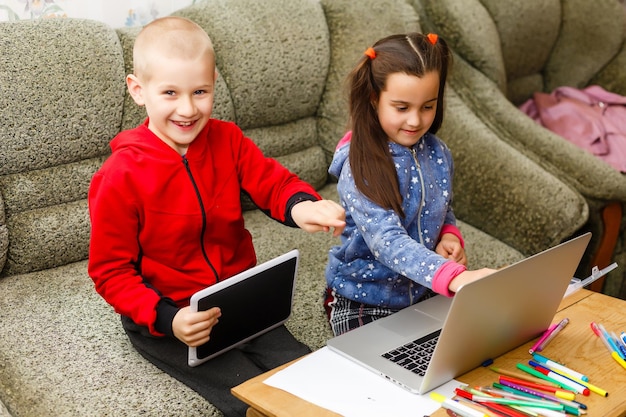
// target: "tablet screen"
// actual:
[[257, 300]]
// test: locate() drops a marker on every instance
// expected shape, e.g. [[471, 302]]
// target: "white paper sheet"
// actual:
[[331, 381]]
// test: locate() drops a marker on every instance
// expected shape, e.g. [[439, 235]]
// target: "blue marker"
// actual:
[[555, 366], [612, 342]]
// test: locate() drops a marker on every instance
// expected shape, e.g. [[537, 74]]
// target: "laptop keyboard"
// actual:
[[415, 355]]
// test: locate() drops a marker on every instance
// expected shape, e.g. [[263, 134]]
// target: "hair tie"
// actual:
[[370, 52], [432, 38]]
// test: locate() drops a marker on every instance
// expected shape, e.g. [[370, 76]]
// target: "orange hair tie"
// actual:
[[432, 38], [370, 52]]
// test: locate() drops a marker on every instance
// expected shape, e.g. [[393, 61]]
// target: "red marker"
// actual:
[[567, 395], [563, 380]]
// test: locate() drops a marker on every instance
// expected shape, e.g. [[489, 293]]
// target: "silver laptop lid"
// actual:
[[487, 318]]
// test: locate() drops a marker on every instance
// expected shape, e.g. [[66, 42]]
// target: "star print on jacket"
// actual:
[[383, 259]]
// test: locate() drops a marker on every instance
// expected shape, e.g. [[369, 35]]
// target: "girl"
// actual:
[[400, 244]]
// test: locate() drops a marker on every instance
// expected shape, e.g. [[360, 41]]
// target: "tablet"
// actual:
[[252, 302]]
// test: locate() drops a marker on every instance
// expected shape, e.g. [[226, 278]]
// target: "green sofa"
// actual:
[[282, 64], [507, 50]]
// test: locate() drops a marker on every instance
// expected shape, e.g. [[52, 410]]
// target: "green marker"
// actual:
[[538, 374]]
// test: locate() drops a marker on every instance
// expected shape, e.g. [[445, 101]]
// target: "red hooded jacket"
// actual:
[[165, 226]]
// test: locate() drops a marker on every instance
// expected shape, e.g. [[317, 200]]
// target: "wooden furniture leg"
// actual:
[[611, 218]]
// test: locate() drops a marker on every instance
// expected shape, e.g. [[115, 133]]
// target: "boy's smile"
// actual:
[[178, 94]]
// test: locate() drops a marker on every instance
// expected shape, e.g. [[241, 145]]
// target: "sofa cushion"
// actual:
[[530, 46], [47, 216], [53, 137], [577, 54], [273, 56], [66, 354], [353, 26], [468, 25], [275, 73], [4, 235]]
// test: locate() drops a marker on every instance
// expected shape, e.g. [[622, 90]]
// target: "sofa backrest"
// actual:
[[60, 105], [533, 45], [353, 27], [273, 58], [282, 66]]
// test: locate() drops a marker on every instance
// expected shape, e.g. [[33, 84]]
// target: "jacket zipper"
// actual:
[[419, 213], [422, 198], [195, 187]]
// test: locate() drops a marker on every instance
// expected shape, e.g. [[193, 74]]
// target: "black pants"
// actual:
[[214, 378]]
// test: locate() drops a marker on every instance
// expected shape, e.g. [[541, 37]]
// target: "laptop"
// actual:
[[252, 302], [484, 319]]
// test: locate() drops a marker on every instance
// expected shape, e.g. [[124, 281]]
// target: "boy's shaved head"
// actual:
[[170, 37]]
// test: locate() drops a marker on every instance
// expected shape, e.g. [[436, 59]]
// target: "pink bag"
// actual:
[[592, 118]]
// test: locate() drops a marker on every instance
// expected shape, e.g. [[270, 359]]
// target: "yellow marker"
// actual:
[[566, 395], [457, 407], [591, 387], [618, 359]]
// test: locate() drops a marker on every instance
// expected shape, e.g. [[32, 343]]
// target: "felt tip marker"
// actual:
[[534, 372], [620, 345], [522, 376], [568, 406], [543, 337], [566, 395], [587, 385], [509, 401], [621, 350], [610, 340], [581, 389], [507, 392], [551, 336], [558, 367], [459, 409], [596, 330], [618, 359]]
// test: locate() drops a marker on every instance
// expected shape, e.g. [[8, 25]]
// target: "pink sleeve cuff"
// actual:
[[452, 229], [448, 271]]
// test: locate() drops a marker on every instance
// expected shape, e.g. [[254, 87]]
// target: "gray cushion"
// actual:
[[275, 72], [53, 137], [353, 26], [4, 235]]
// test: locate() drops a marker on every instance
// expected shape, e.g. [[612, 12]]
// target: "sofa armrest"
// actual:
[[613, 76], [501, 191], [588, 174]]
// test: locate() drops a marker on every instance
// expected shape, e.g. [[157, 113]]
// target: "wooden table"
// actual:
[[576, 346]]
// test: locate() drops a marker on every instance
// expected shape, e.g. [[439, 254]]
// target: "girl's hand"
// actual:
[[468, 276], [450, 248], [193, 329], [321, 215]]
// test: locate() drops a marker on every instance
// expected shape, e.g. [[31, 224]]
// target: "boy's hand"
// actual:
[[321, 215], [193, 329], [450, 248]]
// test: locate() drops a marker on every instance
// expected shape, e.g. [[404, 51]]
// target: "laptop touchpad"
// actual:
[[418, 323]]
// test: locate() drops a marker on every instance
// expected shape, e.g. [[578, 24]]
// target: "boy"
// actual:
[[167, 219]]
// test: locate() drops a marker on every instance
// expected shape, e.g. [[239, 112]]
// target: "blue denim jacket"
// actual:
[[386, 260]]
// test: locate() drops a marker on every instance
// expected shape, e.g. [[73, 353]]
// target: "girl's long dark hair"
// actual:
[[372, 167]]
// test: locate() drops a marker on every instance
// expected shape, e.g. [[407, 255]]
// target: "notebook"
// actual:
[[485, 319], [253, 302]]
